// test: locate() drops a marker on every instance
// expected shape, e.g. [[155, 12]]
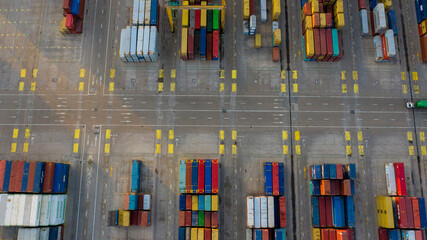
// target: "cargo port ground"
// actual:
[[83, 105]]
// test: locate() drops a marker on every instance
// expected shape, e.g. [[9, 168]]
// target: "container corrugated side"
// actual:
[[146, 45], [140, 44], [257, 212], [141, 12], [45, 210], [271, 212], [147, 13], [3, 203], [264, 212], [9, 208], [391, 179], [250, 211], [152, 49], [135, 12], [27, 210]]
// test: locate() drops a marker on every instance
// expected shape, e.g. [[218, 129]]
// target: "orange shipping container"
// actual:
[[423, 43], [182, 218], [316, 20], [306, 10], [416, 211], [345, 188], [276, 54], [325, 187]]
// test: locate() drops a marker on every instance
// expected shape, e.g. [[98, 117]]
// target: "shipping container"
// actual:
[[124, 44], [416, 212], [201, 180], [194, 177], [349, 212], [391, 179], [257, 234], [215, 45], [399, 170], [203, 44], [188, 218], [276, 58], [184, 57], [423, 217], [214, 234], [182, 179], [208, 176], [194, 202], [188, 169], [380, 23], [316, 233], [135, 13], [328, 211], [322, 212], [338, 213], [315, 218], [208, 233], [264, 212], [246, 9], [133, 49], [201, 202], [194, 218], [263, 7], [197, 19], [136, 176], [181, 233], [252, 25], [215, 166], [270, 212], [268, 179], [215, 19], [409, 213], [182, 202], [203, 17], [194, 234], [257, 212], [379, 56], [154, 12], [208, 203], [282, 212], [214, 221], [214, 202], [152, 47], [208, 218], [250, 212], [201, 219], [48, 177]]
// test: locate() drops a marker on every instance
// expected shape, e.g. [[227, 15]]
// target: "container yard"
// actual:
[[74, 12], [46, 233]]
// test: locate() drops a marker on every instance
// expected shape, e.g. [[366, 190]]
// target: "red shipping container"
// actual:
[[336, 187], [251, 7], [307, 9], [209, 46], [402, 221], [69, 21], [325, 233], [362, 4], [276, 54], [31, 176], [316, 38], [81, 9], [208, 234], [188, 176], [329, 9], [190, 49], [133, 218], [338, 58], [140, 201], [382, 234], [332, 234], [282, 212], [316, 20], [419, 235], [139, 218], [323, 48], [2, 168], [201, 181], [399, 170], [48, 177], [339, 170], [342, 234], [328, 211], [17, 184], [188, 202], [329, 45], [78, 26], [214, 221], [345, 188], [350, 234], [145, 218], [326, 187], [384, 47], [416, 211], [322, 212], [275, 173], [265, 234], [420, 30], [372, 23], [208, 218], [181, 218], [13, 171], [215, 45], [66, 6], [409, 212], [197, 19], [215, 175], [328, 20], [188, 218]]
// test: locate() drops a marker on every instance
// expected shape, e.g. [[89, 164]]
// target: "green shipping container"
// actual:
[[210, 21], [201, 218], [335, 43], [216, 19]]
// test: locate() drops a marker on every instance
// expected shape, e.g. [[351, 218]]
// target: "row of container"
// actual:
[[421, 12], [198, 202], [335, 211], [400, 234], [198, 219], [265, 212], [395, 178], [266, 234], [332, 234], [186, 233], [274, 178], [32, 210], [33, 177], [199, 176], [201, 18], [333, 171], [315, 14], [138, 44], [401, 212], [378, 20], [73, 11], [129, 218], [137, 202], [322, 45], [384, 42], [332, 187], [145, 12], [47, 233], [209, 44]]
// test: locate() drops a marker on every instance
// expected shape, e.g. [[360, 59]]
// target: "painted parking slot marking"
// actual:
[[35, 71], [297, 136], [81, 86], [285, 149], [221, 87], [295, 74], [160, 87], [416, 89], [361, 150], [221, 149], [295, 87], [283, 74], [404, 89], [285, 135], [415, 76], [27, 133], [159, 134], [33, 86], [411, 150], [355, 75], [423, 150], [21, 86], [344, 88], [234, 149], [23, 73], [82, 73], [409, 135], [298, 149], [158, 148], [356, 88], [221, 74], [221, 134], [172, 86], [234, 135], [13, 147], [170, 148], [233, 87], [171, 134], [15, 133], [75, 147], [348, 150], [283, 87], [347, 135], [77, 133], [161, 73], [343, 77], [111, 87], [359, 136], [107, 148], [173, 73], [234, 74], [403, 76], [422, 137], [112, 73]]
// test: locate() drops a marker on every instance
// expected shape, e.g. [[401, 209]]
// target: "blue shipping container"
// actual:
[[202, 43], [258, 234], [420, 8], [315, 187], [349, 211], [153, 13], [333, 171], [75, 7], [280, 234], [6, 179], [352, 187], [25, 177], [338, 212], [268, 179], [57, 176], [194, 175], [201, 202], [194, 218], [136, 176], [423, 216], [372, 4], [182, 202], [38, 177], [302, 3], [276, 213], [133, 202], [66, 176], [281, 179], [326, 171], [181, 233], [352, 172], [315, 211], [208, 176], [394, 234], [418, 11], [392, 21], [53, 231]]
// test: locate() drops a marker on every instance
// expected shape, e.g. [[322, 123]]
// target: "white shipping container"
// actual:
[[250, 212], [45, 210], [152, 48], [133, 39], [364, 26], [15, 209], [391, 179], [128, 40], [411, 235], [3, 204], [53, 212], [257, 212], [264, 212], [379, 56], [64, 208], [263, 11], [140, 44], [146, 43], [135, 13], [147, 12], [249, 234], [27, 210], [380, 21], [44, 234], [270, 201], [141, 11], [35, 234], [21, 234], [34, 219], [274, 26], [245, 27], [147, 202], [123, 44], [21, 212], [9, 209], [390, 45]]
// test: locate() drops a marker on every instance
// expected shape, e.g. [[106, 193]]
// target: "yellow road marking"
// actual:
[[15, 133], [297, 136], [285, 149], [111, 171], [233, 87], [294, 74], [403, 76], [21, 86], [13, 147], [285, 135], [172, 87], [347, 136], [404, 89], [295, 86], [411, 150], [233, 134], [33, 86], [422, 137], [171, 134], [111, 87], [81, 86], [170, 148], [112, 73], [356, 88], [159, 134], [221, 87], [409, 134], [221, 134], [25, 148], [82, 73], [423, 150], [77, 133], [416, 89], [298, 149], [359, 136], [234, 149], [283, 87], [160, 87], [283, 74], [415, 76], [23, 73], [173, 73], [361, 150], [344, 88], [108, 134], [221, 74], [158, 148], [35, 71], [343, 77], [355, 76], [107, 148], [75, 148], [161, 73], [221, 149], [27, 133], [233, 74], [348, 150]]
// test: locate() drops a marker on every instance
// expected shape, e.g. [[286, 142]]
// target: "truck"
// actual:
[[252, 25], [182, 178], [268, 179], [417, 104], [250, 212], [208, 176]]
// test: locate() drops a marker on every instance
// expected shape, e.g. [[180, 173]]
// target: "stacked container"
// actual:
[[322, 22], [274, 179], [127, 218], [73, 11], [46, 233], [332, 202], [198, 207], [420, 9], [384, 42]]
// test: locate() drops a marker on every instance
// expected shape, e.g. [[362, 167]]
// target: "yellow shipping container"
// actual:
[[120, 221], [387, 4], [423, 26], [379, 211], [322, 20], [203, 15], [275, 3], [214, 203], [339, 21], [276, 12], [245, 9], [184, 42], [200, 234], [316, 233], [214, 234], [388, 219], [314, 7], [308, 23], [338, 7], [257, 40], [277, 37], [309, 38], [193, 233], [62, 28], [185, 15], [126, 218], [194, 203]]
